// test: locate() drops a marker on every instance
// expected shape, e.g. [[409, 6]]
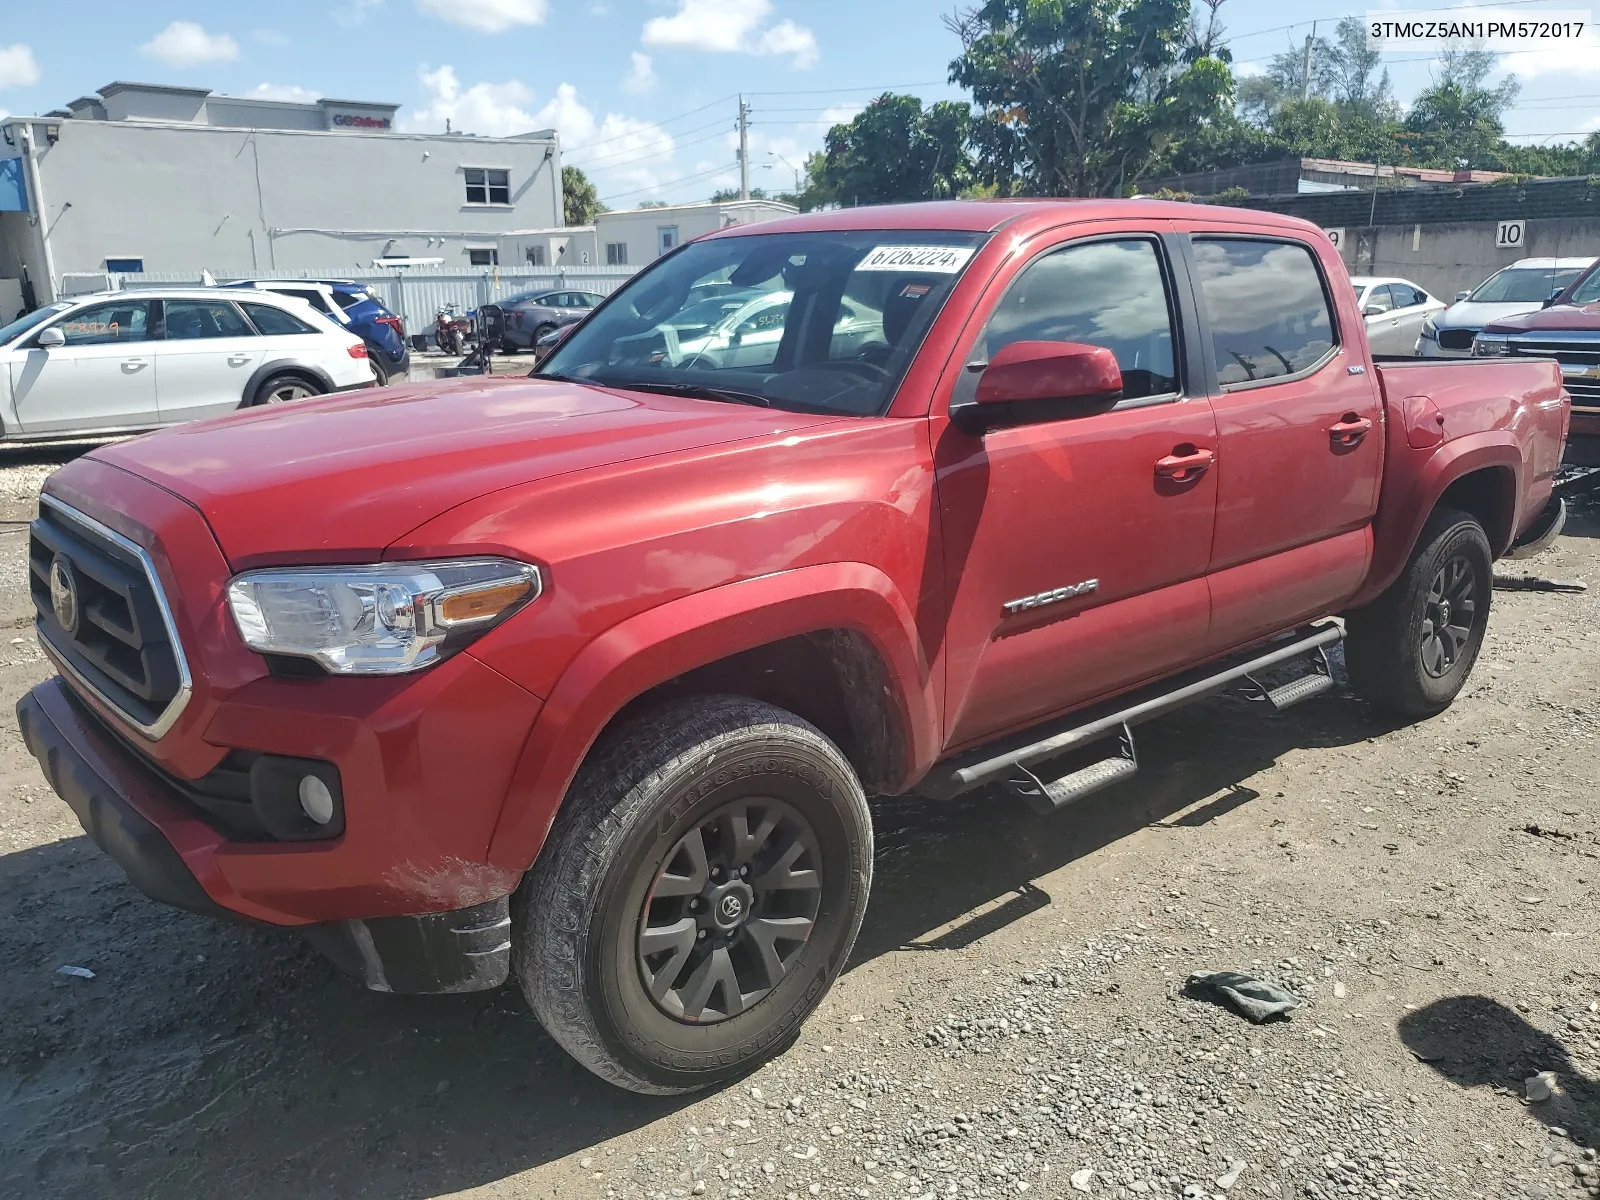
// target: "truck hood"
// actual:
[[342, 478], [1474, 315], [1561, 316]]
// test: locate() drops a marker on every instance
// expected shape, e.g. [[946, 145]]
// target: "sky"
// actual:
[[644, 93]]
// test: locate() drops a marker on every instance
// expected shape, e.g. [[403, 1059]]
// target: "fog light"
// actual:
[[316, 801]]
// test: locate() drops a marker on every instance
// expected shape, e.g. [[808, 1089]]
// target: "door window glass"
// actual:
[[1380, 299], [187, 319], [1406, 296], [101, 324], [274, 322], [1268, 313], [1110, 294]]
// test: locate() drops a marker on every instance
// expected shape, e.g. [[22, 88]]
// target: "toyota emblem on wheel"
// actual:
[[64, 594], [732, 907]]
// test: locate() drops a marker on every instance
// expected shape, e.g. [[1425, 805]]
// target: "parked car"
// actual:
[[586, 677], [357, 307], [1394, 311], [1569, 332], [531, 315], [1525, 286], [120, 362], [744, 330]]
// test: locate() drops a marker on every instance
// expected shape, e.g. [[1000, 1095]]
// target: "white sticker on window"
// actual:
[[933, 260]]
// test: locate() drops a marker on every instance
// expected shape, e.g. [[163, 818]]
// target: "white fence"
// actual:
[[415, 293]]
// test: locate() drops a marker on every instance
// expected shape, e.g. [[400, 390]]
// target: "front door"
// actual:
[[101, 378], [206, 355], [1074, 554], [1300, 435]]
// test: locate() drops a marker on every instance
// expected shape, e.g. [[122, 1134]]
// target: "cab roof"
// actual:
[[990, 216]]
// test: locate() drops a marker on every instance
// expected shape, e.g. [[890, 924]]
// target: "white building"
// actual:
[[631, 238], [168, 179]]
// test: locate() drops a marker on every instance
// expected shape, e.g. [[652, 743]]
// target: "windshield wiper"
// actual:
[[699, 391]]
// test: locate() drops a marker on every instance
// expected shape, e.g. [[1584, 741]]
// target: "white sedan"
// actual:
[[1394, 310], [122, 362]]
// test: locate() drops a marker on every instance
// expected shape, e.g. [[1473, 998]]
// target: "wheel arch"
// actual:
[[848, 620]]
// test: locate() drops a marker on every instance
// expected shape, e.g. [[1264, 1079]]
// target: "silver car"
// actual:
[[1522, 287], [1395, 310], [531, 315]]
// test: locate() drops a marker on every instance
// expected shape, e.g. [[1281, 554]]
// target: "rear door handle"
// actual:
[[1186, 465], [1350, 430], [131, 365], [238, 360]]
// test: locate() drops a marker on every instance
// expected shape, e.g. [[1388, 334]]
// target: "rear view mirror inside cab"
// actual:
[[1027, 382]]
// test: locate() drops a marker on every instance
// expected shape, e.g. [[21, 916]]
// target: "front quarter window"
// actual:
[[820, 322]]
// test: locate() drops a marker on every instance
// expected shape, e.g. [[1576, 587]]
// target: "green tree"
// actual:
[[1460, 115], [1083, 97], [1355, 80], [580, 201], [894, 150]]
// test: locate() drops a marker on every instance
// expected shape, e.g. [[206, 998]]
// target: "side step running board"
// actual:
[[1319, 680], [1045, 797], [1001, 760]]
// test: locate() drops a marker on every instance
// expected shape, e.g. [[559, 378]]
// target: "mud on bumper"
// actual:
[[463, 950]]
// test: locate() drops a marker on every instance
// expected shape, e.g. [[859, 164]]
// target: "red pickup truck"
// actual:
[[585, 677]]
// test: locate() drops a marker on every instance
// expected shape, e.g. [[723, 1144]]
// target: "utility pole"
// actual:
[[744, 150], [1305, 84]]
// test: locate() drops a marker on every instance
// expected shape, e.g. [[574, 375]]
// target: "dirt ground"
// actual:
[[1012, 1019]]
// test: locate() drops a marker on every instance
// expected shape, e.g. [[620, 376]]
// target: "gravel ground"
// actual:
[[1013, 1021]]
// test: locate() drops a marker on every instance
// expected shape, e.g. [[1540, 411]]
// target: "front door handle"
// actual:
[[130, 365], [1184, 463], [238, 360], [1350, 430]]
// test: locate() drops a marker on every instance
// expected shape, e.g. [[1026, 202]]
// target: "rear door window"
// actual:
[[1380, 298], [188, 319], [1267, 308], [274, 322]]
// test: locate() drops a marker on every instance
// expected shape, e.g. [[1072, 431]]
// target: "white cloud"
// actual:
[[486, 16], [270, 37], [492, 109], [1577, 57], [641, 77], [185, 44], [17, 68], [839, 114], [731, 27], [283, 91]]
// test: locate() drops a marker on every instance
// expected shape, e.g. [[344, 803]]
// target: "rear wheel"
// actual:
[[1410, 651], [700, 891], [285, 389], [538, 333], [380, 370]]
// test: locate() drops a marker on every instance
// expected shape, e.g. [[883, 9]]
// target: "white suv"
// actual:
[[120, 362]]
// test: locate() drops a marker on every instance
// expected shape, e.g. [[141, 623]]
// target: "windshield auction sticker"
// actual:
[[931, 260], [1486, 28]]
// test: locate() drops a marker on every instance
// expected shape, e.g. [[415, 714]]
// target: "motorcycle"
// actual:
[[450, 329]]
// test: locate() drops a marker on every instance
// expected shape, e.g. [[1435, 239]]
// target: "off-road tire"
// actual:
[[577, 916], [1384, 642]]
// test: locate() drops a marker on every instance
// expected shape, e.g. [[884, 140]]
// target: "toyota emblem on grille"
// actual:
[[64, 595]]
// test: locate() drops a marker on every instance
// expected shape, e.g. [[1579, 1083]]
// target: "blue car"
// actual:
[[356, 307]]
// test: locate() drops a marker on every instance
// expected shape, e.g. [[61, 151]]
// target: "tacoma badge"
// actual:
[[1052, 597]]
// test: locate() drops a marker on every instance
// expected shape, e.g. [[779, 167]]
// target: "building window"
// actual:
[[666, 237], [487, 187], [125, 266], [484, 258], [616, 254], [536, 256]]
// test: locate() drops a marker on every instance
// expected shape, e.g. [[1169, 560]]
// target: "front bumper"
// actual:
[[1583, 440], [124, 808]]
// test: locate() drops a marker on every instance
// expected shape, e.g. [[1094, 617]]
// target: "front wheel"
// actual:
[[698, 894], [1410, 651]]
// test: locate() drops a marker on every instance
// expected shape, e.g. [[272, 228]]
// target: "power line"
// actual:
[[888, 87], [669, 183], [664, 121], [1336, 16], [622, 157]]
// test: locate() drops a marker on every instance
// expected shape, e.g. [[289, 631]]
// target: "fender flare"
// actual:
[[267, 369], [1401, 517], [657, 645]]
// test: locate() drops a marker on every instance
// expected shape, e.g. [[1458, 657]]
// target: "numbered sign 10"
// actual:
[[1510, 235]]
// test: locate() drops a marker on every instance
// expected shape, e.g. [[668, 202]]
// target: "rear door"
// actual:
[[1074, 559], [1299, 424], [206, 355], [1383, 322], [102, 378], [1411, 308]]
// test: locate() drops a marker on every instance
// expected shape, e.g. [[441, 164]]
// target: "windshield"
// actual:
[[816, 322], [1524, 285], [1586, 292], [9, 333]]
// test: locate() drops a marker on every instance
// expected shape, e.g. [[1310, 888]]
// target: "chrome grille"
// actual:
[[1578, 354], [123, 647]]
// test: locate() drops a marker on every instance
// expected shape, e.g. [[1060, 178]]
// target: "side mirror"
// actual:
[[1462, 295], [51, 337], [1040, 381]]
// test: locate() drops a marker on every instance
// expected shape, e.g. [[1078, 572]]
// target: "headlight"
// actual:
[[383, 619], [1490, 347], [1429, 329]]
